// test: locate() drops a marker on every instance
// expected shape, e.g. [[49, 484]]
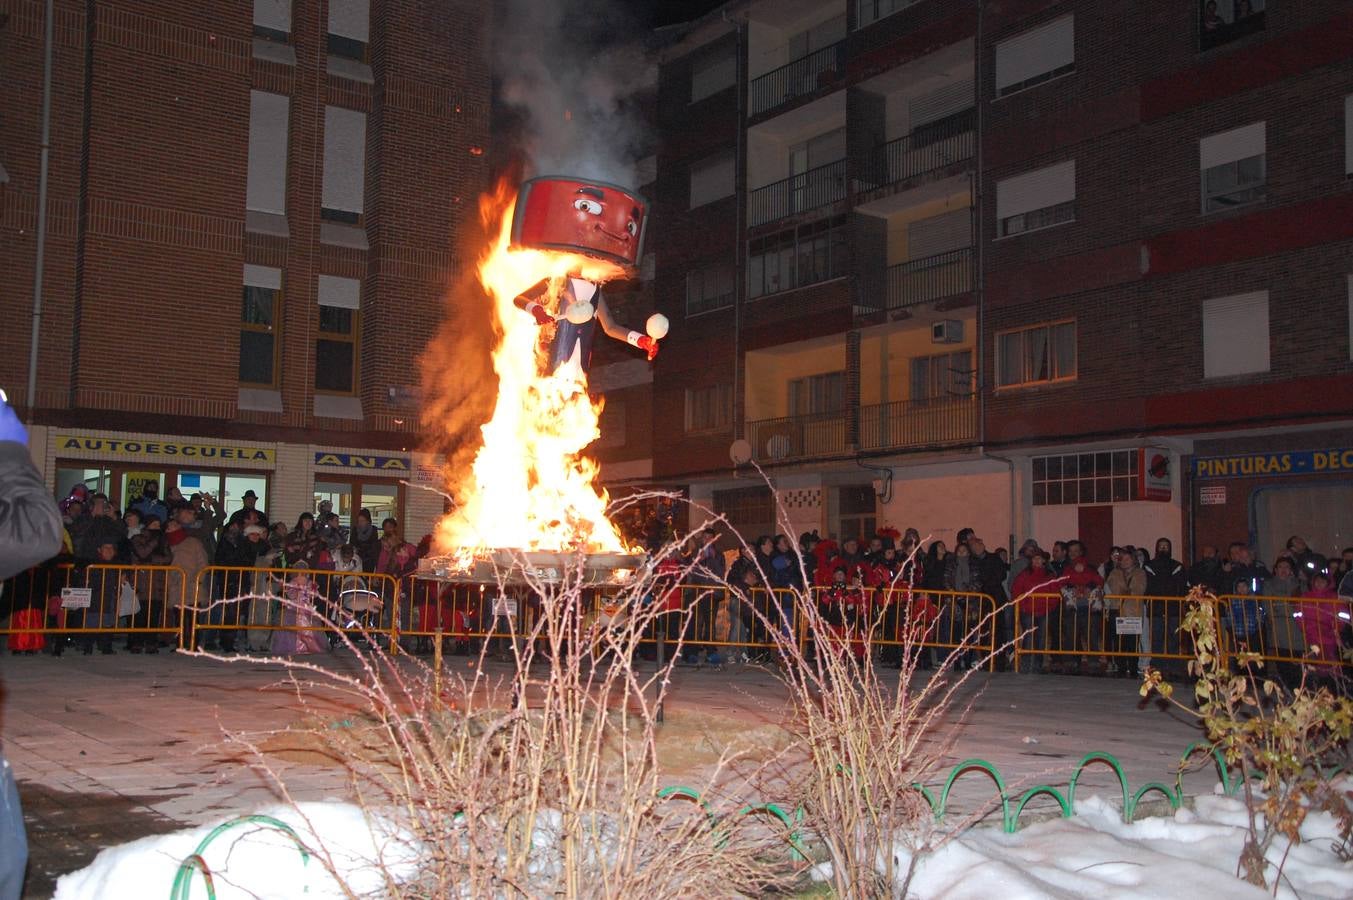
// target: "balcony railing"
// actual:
[[929, 278], [804, 75], [809, 190], [919, 423], [798, 437], [926, 149], [884, 426]]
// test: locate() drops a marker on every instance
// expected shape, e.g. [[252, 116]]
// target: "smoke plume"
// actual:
[[573, 85]]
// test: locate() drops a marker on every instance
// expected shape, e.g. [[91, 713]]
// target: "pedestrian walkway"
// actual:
[[108, 749]]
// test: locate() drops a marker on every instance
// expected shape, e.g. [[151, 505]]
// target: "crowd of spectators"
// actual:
[[189, 534]]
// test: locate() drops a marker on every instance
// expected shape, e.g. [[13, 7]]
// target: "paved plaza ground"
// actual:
[[110, 748]]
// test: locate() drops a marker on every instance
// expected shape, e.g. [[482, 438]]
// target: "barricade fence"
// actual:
[[1107, 633], [243, 609]]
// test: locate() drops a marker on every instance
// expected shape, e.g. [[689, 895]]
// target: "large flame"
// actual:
[[531, 487]]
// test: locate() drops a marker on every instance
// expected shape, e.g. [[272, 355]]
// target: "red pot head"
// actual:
[[588, 217]]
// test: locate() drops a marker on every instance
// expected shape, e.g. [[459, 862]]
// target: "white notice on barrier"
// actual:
[[504, 607], [1129, 624], [75, 598]]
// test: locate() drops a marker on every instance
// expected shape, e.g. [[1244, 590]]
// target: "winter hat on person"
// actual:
[[255, 529]]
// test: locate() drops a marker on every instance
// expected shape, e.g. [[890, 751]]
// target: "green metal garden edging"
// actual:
[[183, 878]]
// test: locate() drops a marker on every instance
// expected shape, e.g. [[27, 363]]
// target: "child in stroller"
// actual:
[[358, 605]]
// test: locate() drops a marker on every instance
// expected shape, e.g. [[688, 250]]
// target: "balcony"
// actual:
[[806, 191], [926, 149], [805, 75], [917, 281], [934, 422], [901, 424]]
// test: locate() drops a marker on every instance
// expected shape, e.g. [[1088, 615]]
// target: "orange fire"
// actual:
[[531, 488]]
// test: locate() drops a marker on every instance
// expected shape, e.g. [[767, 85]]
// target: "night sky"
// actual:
[[671, 12]]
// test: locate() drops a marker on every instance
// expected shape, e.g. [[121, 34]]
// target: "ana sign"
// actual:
[[1254, 465], [363, 461]]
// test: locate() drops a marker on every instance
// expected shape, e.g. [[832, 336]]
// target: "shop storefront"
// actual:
[[288, 479], [1264, 492]]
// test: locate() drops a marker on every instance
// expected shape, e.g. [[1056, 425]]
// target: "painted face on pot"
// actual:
[[591, 218]]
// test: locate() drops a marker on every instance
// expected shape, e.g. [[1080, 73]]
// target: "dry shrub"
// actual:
[[541, 780]]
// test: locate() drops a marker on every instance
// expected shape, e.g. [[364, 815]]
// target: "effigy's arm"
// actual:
[[529, 300], [633, 338]]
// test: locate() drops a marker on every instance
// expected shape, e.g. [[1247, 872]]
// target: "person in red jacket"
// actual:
[[1082, 608], [1037, 593]]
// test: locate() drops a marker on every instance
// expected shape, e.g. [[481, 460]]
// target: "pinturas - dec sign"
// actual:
[[1255, 465]]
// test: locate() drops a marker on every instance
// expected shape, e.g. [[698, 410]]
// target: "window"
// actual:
[[709, 289], [336, 347], [272, 19], [870, 11], [1038, 199], [711, 179], [1102, 477], [1235, 335], [713, 71], [821, 35], [611, 424], [709, 408], [266, 185], [344, 165], [942, 377], [1036, 56], [1036, 355], [825, 393], [1223, 21], [349, 27], [796, 257], [1233, 167], [259, 315]]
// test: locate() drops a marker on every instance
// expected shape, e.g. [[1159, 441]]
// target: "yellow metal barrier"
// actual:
[[1289, 631], [277, 610], [96, 602]]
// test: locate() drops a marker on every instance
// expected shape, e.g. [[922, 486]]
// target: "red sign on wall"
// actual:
[[1153, 473]]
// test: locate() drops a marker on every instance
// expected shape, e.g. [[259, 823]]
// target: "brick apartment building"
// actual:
[[1039, 267], [253, 219]]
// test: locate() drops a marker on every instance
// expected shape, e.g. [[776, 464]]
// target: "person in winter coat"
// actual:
[[843, 614], [304, 547], [1123, 590], [1166, 577], [1082, 608], [187, 553], [105, 589], [99, 527], [991, 571], [366, 539], [153, 588], [1035, 591], [150, 505], [208, 519], [1322, 626]]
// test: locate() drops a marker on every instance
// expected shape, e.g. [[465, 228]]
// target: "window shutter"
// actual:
[[939, 234], [711, 72], [1034, 52], [711, 180], [262, 277], [1348, 134], [274, 14], [266, 183], [1235, 335], [1036, 190], [345, 293], [1229, 146], [350, 19], [344, 158], [950, 99]]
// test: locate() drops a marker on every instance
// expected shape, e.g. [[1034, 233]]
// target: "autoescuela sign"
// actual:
[[1255, 465], [163, 451]]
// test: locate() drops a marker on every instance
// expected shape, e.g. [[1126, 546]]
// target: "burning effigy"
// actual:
[[532, 493]]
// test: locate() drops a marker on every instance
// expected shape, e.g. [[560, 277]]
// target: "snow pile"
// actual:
[[255, 860], [1094, 854]]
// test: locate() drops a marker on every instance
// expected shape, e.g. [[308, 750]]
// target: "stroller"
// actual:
[[359, 609]]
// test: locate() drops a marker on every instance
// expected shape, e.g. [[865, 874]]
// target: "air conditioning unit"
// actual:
[[946, 331]]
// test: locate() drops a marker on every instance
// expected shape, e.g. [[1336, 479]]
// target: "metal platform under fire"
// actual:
[[525, 567]]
